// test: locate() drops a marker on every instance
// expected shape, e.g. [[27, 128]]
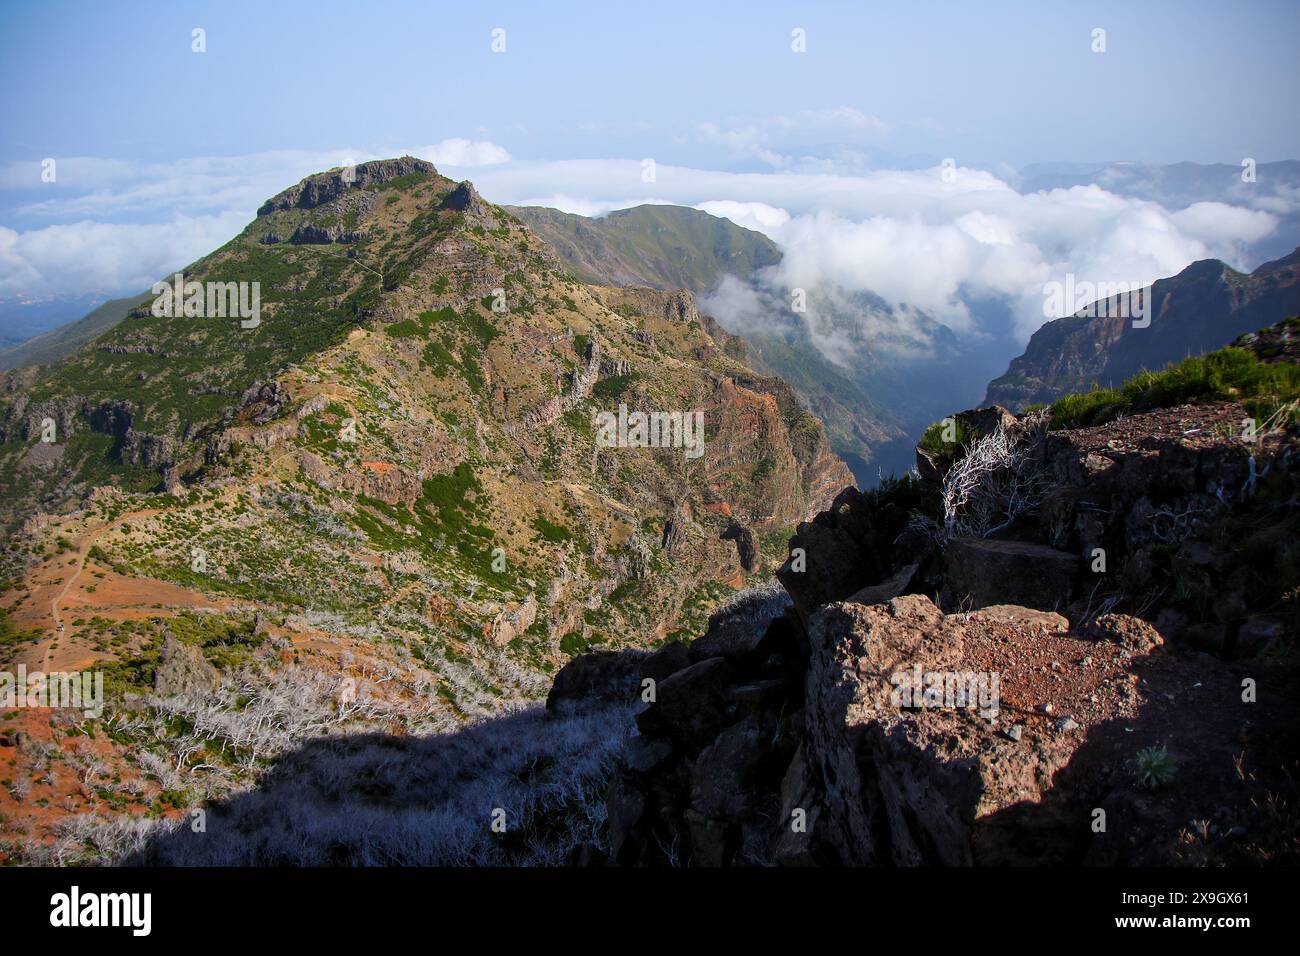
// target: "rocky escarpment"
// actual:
[[759, 418], [1104, 672], [322, 188], [54, 422], [671, 247], [1204, 307]]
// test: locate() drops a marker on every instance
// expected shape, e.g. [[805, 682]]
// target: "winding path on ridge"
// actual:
[[83, 554], [86, 541]]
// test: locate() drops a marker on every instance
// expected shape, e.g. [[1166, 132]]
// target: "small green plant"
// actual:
[[614, 387], [936, 444], [1154, 767], [555, 533], [1230, 373]]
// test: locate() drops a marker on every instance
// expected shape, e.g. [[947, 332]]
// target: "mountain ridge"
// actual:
[[405, 438], [1205, 306], [647, 245]]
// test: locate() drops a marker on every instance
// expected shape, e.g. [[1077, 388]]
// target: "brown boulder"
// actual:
[[183, 670], [889, 794]]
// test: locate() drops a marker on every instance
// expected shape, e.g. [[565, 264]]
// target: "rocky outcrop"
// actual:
[[746, 545], [311, 235], [1044, 714], [900, 735], [674, 305], [324, 187], [382, 481], [1014, 777], [855, 543], [155, 452], [674, 536], [512, 622], [700, 782], [1274, 344], [182, 669], [28, 419], [113, 417], [263, 401]]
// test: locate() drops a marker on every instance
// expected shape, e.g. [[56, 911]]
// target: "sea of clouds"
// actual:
[[935, 239]]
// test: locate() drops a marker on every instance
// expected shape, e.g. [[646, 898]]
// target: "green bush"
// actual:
[[555, 533], [1229, 374], [405, 329], [933, 442], [609, 389]]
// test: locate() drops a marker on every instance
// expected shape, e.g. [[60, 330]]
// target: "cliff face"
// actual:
[[1079, 684], [671, 247], [1202, 308], [786, 445]]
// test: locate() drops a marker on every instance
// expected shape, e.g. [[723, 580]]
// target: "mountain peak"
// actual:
[[319, 188]]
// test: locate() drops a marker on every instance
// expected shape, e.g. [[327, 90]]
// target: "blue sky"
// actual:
[[163, 154], [988, 82]]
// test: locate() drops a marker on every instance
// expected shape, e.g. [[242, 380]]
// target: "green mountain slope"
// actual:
[[664, 247], [62, 341], [670, 247], [406, 439], [387, 504]]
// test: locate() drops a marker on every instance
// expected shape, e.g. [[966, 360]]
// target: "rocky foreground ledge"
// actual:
[[1145, 705]]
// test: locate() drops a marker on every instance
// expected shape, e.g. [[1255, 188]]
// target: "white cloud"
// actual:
[[463, 152], [111, 257], [1208, 220], [796, 140], [916, 239], [911, 236], [758, 216]]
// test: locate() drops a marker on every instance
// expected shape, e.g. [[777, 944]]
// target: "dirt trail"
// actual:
[[115, 596], [83, 554], [88, 539]]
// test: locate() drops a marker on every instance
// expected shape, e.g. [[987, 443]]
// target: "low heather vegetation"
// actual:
[[1266, 389]]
